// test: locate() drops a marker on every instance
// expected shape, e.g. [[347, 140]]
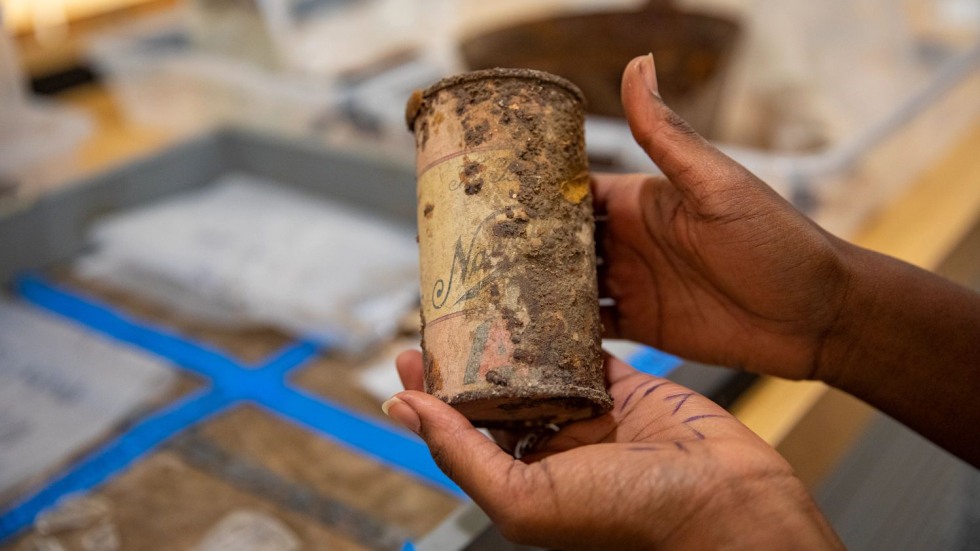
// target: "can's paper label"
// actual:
[[469, 218]]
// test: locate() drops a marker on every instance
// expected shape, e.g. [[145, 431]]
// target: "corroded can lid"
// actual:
[[419, 96]]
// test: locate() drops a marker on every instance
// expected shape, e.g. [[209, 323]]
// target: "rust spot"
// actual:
[[499, 377], [433, 375], [413, 107], [510, 228], [475, 134], [576, 189], [471, 169], [473, 186]]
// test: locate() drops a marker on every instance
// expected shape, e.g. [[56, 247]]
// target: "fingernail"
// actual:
[[397, 409], [649, 71]]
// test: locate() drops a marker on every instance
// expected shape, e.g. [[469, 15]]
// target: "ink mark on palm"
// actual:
[[698, 434], [651, 389], [646, 393], [643, 449], [681, 399]]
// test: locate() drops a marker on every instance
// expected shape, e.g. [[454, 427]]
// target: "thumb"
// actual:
[[467, 456], [692, 164]]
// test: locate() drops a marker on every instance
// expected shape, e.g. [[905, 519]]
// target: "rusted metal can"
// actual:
[[510, 315]]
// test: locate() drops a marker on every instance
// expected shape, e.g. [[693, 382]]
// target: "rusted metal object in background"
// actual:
[[693, 52], [511, 330]]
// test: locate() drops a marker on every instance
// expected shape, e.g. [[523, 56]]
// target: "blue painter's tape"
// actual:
[[290, 357], [654, 362], [188, 355], [394, 447], [253, 384], [114, 457]]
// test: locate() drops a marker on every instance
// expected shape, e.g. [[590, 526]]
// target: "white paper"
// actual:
[[247, 251], [73, 512], [622, 349], [249, 531], [380, 378], [61, 387]]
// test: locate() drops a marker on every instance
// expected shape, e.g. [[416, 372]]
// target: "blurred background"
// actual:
[[208, 259]]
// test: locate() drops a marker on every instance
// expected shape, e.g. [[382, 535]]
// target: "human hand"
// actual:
[[665, 469], [710, 263]]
